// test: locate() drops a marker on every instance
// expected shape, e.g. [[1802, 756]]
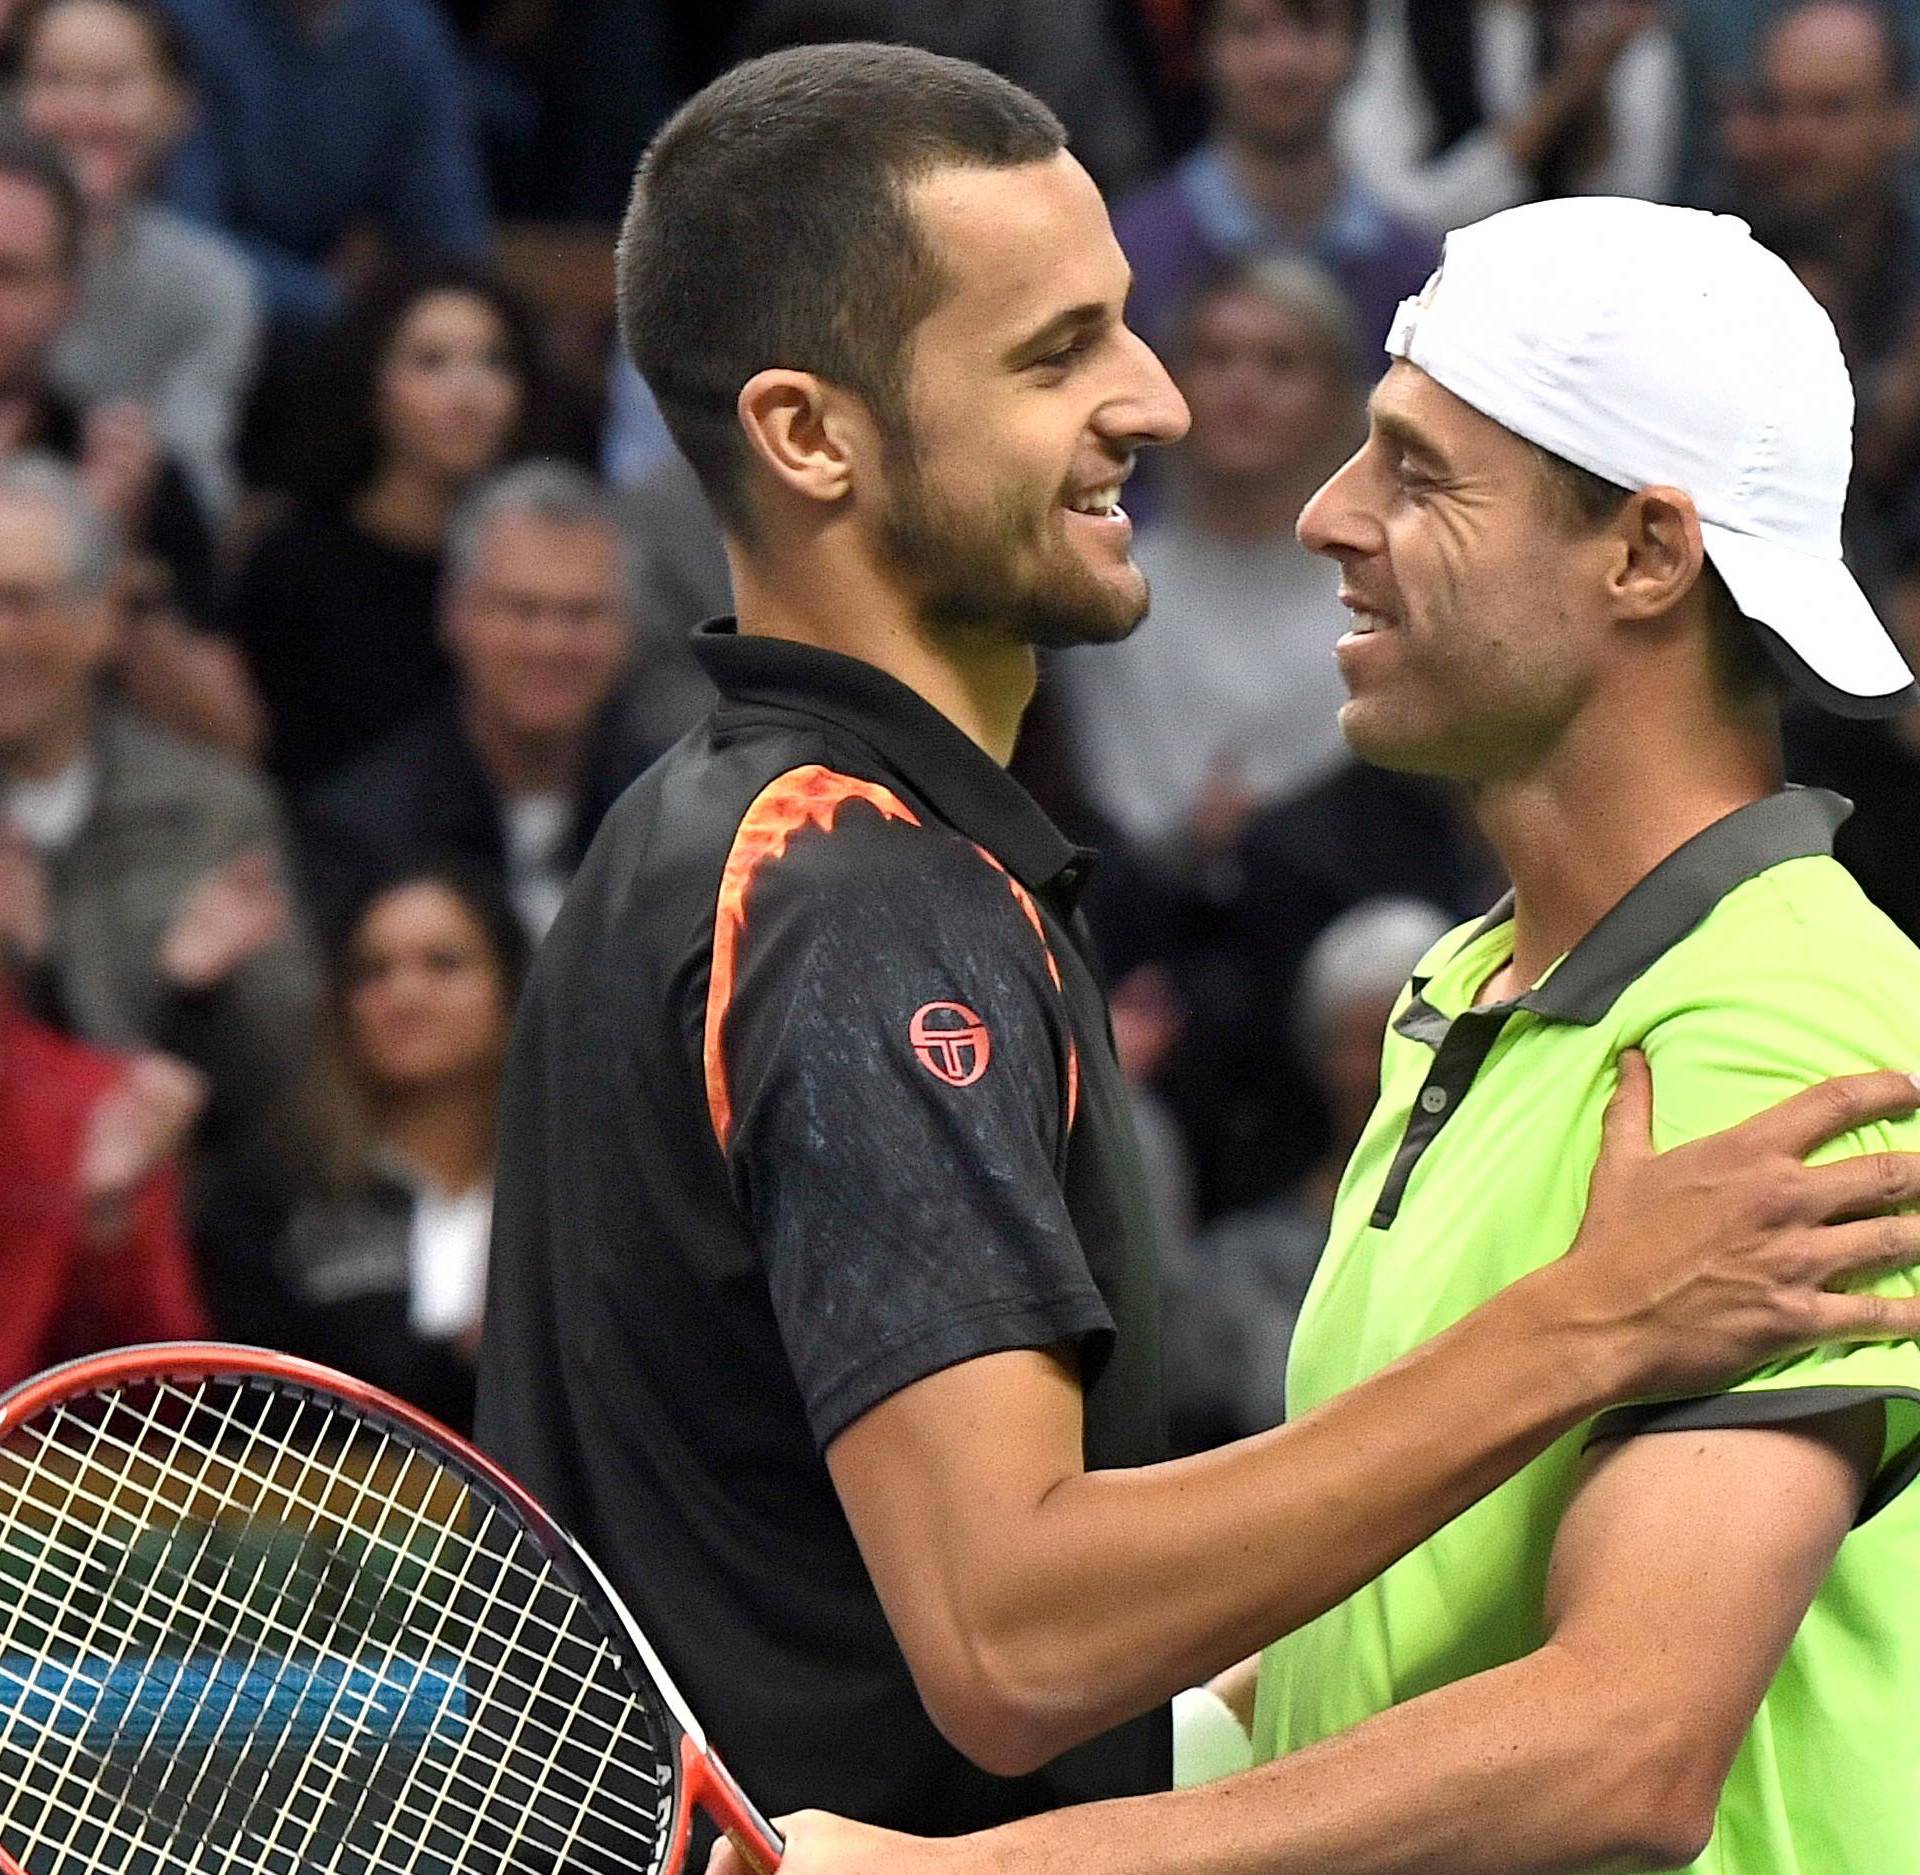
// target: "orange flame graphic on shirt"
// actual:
[[811, 796]]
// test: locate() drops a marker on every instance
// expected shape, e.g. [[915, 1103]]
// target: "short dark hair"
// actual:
[[769, 227], [30, 159], [1896, 48], [1747, 671]]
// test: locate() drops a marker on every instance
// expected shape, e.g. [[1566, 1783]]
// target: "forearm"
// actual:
[[1121, 1587], [1528, 1770]]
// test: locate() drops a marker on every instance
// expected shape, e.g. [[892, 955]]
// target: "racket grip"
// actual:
[[710, 1784]]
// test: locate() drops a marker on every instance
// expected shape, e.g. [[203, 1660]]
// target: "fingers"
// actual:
[[1817, 1114], [1860, 1186], [1875, 1246], [1626, 1129], [1866, 1318]]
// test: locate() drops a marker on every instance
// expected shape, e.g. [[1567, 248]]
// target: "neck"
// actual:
[[1579, 834], [1244, 508], [1295, 185], [980, 683], [518, 763], [51, 749], [444, 1132], [406, 507]]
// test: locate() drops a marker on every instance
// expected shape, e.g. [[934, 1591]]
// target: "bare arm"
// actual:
[[1039, 1603], [1594, 1753]]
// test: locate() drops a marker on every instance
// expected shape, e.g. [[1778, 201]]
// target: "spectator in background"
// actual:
[[111, 444], [514, 768], [92, 1250], [1875, 765], [1822, 172], [1233, 1300], [680, 565], [1063, 51], [428, 389], [166, 316], [1271, 179], [140, 896], [381, 1258], [1458, 111], [329, 131], [1229, 696]]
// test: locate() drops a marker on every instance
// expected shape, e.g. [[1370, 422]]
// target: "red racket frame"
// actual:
[[701, 1782]]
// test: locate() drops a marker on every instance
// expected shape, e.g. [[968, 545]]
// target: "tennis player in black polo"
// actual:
[[822, 1302]]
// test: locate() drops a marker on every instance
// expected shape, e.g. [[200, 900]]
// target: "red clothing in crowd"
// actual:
[[61, 1295]]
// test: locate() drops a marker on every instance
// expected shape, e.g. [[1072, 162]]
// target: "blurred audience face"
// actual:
[[1276, 68], [95, 84], [1834, 131], [426, 1002], [541, 626], [1268, 400], [54, 640], [449, 396], [36, 281], [1027, 398]]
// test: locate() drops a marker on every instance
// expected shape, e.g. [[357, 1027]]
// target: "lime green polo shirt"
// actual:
[[1748, 965]]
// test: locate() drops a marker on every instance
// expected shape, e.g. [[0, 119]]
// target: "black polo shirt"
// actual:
[[812, 1095]]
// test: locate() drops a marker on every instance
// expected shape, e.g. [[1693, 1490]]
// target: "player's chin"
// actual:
[[1093, 608]]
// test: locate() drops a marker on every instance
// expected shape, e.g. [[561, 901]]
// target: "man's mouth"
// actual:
[[1103, 501]]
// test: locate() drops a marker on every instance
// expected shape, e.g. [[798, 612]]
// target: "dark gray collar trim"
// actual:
[[1668, 903]]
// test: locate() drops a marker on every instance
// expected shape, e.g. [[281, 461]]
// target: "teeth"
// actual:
[[1104, 501], [1365, 622]]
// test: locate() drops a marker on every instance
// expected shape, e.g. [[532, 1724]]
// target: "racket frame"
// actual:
[[700, 1782]]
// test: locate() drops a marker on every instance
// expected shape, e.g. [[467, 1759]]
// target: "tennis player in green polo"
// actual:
[[1592, 536]]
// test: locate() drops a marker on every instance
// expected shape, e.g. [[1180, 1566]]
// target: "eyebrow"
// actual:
[[1062, 326], [1411, 438]]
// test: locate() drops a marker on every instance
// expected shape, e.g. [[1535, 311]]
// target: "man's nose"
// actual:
[[1153, 411], [1338, 519]]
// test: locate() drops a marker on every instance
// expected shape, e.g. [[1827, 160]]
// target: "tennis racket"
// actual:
[[257, 1618]]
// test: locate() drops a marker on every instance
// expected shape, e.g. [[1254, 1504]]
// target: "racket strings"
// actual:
[[537, 1754], [496, 1787]]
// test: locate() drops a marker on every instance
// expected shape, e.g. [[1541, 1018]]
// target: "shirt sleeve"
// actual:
[[890, 1073], [1723, 1060]]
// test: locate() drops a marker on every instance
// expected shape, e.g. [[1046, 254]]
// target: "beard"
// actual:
[[1005, 570]]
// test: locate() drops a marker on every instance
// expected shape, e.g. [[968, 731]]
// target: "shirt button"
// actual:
[[1433, 1099]]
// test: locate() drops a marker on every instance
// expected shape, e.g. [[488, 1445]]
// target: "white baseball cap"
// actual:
[[1656, 345]]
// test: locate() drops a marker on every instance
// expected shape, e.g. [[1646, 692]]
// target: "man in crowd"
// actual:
[[516, 767], [822, 1303], [141, 895], [1270, 179], [1580, 578], [42, 226], [328, 131], [1823, 173]]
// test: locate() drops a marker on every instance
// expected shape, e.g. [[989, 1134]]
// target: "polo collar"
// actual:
[[936, 759], [1796, 823]]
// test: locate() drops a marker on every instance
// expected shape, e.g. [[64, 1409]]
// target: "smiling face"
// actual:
[[1027, 399], [1267, 396], [426, 1001], [94, 84], [539, 627], [1478, 609], [449, 395]]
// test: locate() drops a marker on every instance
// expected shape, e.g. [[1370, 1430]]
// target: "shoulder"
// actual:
[[143, 761], [186, 253], [842, 851]]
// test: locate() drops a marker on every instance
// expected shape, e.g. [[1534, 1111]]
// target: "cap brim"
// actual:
[[1836, 650]]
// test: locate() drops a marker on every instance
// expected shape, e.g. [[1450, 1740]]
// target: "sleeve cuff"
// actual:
[[1778, 1406]]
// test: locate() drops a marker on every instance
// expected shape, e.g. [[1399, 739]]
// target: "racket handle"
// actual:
[[710, 1784]]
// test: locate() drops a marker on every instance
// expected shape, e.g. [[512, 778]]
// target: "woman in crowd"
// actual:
[[166, 319], [382, 1260], [426, 388]]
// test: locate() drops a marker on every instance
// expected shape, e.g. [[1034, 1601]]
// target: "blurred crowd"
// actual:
[[346, 572]]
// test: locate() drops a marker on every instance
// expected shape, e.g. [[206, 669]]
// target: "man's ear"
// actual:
[[1661, 558], [808, 433]]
